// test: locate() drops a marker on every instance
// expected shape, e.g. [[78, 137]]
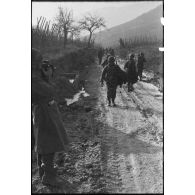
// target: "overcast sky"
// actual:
[[50, 9]]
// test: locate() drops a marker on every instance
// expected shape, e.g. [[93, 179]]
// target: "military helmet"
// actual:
[[132, 55], [111, 59], [46, 64]]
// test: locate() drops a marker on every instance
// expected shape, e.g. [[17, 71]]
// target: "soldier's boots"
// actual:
[[50, 177], [130, 87], [49, 173], [41, 170], [41, 165], [109, 102], [113, 103]]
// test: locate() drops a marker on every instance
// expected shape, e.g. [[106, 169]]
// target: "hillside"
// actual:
[[147, 24]]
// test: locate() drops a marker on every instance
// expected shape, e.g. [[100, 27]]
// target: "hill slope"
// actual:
[[147, 24]]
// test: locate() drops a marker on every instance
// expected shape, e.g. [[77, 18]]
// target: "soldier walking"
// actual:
[[131, 70], [110, 75], [140, 65]]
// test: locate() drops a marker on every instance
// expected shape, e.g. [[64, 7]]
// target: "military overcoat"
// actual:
[[50, 134]]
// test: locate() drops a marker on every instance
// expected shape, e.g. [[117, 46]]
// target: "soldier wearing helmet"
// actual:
[[110, 75], [131, 70], [50, 135], [47, 66]]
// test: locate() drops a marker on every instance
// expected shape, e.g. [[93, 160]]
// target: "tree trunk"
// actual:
[[89, 40]]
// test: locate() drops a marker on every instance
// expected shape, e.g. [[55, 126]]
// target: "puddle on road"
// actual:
[[76, 97]]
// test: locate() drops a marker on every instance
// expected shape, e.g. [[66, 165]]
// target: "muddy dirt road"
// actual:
[[131, 140], [114, 149]]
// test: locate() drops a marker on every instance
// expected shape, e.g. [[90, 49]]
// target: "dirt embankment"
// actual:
[[112, 149]]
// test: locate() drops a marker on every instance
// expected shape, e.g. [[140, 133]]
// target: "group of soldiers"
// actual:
[[102, 52], [113, 75]]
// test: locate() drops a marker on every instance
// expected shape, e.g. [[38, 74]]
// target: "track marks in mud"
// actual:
[[130, 129]]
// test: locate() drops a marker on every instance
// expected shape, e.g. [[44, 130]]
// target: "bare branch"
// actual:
[[91, 23]]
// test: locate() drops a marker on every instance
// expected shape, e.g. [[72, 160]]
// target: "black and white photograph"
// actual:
[[97, 97]]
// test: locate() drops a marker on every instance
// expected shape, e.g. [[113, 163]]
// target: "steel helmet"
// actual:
[[111, 59], [132, 55]]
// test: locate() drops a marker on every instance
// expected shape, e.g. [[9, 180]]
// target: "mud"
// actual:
[[113, 149]]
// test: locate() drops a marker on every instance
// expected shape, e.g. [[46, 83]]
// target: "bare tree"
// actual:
[[91, 23], [64, 20]]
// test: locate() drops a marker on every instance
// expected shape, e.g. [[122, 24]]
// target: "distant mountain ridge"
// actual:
[[147, 24]]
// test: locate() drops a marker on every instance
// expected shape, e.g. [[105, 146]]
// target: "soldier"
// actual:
[[50, 135], [112, 52], [131, 70], [100, 55], [140, 64], [47, 63], [110, 75]]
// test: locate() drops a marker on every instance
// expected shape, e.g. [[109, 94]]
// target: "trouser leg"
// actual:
[[140, 74], [113, 95], [130, 86], [109, 100], [108, 95]]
